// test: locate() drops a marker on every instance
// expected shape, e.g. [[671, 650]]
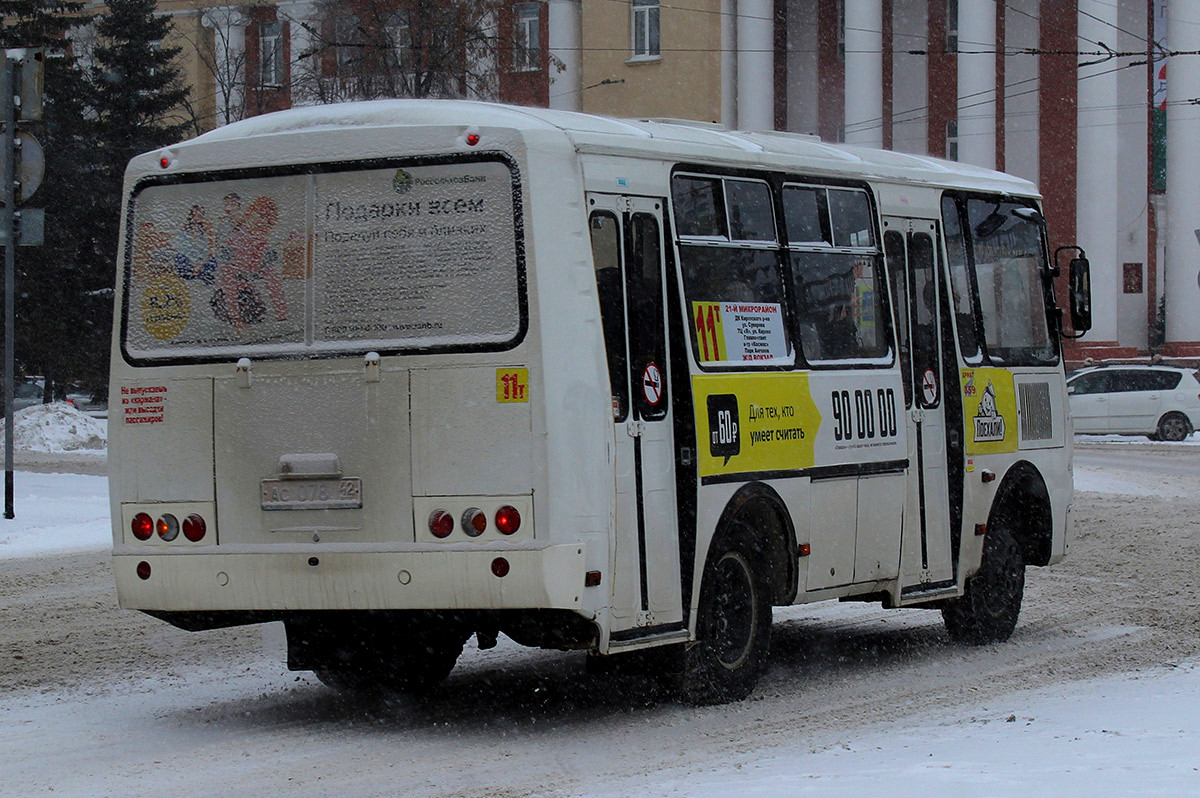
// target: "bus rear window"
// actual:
[[402, 258]]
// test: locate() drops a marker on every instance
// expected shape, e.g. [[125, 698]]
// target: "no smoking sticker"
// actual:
[[652, 387], [929, 387]]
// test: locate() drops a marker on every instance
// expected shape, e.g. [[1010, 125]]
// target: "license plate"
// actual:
[[312, 494]]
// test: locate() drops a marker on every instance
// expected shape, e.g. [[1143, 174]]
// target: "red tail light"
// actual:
[[143, 570], [194, 528], [441, 523], [500, 567], [508, 520], [142, 526]]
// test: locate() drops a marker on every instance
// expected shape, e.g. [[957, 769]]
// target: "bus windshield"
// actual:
[[408, 257], [1009, 268]]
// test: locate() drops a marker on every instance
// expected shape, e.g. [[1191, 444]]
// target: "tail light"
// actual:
[[474, 522], [167, 527], [143, 570], [508, 520], [500, 567], [194, 528], [142, 526], [441, 523]]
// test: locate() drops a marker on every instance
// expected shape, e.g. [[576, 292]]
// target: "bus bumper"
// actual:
[[550, 577]]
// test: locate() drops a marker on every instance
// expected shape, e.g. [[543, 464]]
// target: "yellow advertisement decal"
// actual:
[[754, 422], [989, 410]]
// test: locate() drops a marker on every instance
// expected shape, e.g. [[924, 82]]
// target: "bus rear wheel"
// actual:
[[987, 612], [733, 624]]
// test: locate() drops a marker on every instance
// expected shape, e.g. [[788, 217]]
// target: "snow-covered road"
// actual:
[[1096, 694]]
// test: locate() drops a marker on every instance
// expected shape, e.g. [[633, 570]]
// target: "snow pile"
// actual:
[[57, 427], [56, 514]]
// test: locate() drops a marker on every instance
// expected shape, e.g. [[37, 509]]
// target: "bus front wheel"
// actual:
[[733, 623], [987, 612]]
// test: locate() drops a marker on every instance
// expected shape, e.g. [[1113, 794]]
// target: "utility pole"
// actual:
[[24, 164]]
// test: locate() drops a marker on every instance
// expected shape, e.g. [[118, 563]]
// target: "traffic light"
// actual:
[[24, 162]]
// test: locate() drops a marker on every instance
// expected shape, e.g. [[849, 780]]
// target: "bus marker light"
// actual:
[[167, 527], [441, 523], [805, 549], [591, 579], [500, 567], [143, 570], [980, 530], [987, 475], [142, 526], [194, 528], [508, 519], [474, 522], [472, 139]]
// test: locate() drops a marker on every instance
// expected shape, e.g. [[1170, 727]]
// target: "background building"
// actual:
[[1070, 96]]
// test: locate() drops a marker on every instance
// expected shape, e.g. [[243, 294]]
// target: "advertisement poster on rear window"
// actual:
[[389, 258], [217, 263], [415, 253]]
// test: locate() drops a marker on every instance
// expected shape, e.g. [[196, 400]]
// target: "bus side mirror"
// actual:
[[1080, 286]]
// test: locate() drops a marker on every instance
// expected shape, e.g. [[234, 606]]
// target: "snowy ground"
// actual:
[[1098, 693]]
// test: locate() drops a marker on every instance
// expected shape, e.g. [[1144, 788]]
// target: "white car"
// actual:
[[1161, 402]]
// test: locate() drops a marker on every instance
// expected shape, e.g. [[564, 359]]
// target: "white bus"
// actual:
[[404, 372]]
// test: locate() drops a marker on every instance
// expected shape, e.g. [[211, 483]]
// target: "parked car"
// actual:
[[26, 393], [1160, 402]]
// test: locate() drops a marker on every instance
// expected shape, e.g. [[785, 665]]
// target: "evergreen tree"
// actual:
[[138, 86], [52, 279], [136, 93]]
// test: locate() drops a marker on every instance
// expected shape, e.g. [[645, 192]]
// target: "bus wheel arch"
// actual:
[[760, 508], [1022, 505]]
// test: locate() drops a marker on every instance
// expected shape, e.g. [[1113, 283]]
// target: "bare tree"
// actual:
[[400, 48], [220, 47]]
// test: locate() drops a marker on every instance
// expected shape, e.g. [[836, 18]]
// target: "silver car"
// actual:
[[1161, 402]]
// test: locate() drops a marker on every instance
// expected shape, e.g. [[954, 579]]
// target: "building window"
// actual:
[[951, 26], [645, 28], [952, 139], [346, 38], [270, 53], [526, 47], [399, 42]]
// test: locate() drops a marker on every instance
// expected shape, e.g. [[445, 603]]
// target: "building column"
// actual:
[[864, 73], [756, 64], [1182, 267], [228, 24], [565, 39], [1096, 183], [977, 82], [303, 69]]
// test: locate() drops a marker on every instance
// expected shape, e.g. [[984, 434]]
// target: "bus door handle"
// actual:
[[916, 414], [635, 429]]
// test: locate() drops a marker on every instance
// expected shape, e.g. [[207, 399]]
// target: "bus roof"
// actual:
[[671, 139]]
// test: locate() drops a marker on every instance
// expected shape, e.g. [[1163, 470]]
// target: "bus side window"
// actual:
[[606, 255], [893, 245], [647, 337]]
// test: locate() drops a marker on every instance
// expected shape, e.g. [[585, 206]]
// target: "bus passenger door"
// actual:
[[627, 246], [926, 561]]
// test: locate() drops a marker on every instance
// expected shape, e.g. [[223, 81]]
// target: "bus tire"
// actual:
[[733, 623], [987, 612]]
